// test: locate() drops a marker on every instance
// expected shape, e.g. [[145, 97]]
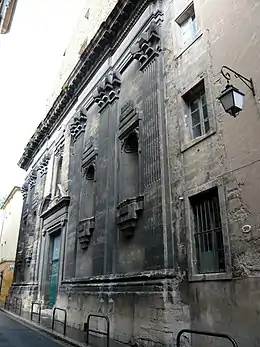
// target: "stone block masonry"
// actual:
[[109, 222]]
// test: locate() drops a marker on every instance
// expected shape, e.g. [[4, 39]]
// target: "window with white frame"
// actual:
[[198, 111], [187, 24], [207, 232]]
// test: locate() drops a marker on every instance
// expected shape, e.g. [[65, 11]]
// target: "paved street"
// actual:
[[14, 334]]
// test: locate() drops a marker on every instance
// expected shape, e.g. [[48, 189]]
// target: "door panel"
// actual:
[[54, 272]]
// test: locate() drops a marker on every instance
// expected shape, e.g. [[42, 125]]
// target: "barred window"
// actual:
[[208, 232]]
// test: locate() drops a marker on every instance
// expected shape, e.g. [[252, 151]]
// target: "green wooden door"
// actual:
[[54, 271]]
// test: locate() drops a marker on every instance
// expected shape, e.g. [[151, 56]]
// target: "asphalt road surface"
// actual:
[[15, 334]]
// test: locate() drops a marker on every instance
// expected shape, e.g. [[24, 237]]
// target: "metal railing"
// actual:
[[205, 333], [56, 320], [37, 313], [88, 330]]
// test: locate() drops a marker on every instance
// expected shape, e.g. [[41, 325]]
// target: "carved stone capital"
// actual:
[[43, 166], [85, 230], [128, 212], [108, 90], [79, 124], [24, 190], [148, 46], [58, 152], [32, 178]]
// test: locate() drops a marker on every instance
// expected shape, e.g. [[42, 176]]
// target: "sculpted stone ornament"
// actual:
[[62, 192], [128, 212], [85, 230], [24, 190], [79, 124], [43, 167], [108, 90], [59, 147], [148, 46], [32, 179]]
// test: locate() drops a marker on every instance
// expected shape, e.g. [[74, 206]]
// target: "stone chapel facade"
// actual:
[[140, 203]]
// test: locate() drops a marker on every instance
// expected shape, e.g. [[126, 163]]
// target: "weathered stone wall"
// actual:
[[228, 157], [146, 283]]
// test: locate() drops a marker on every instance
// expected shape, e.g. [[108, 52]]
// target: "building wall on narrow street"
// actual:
[[11, 209], [124, 171], [9, 230], [228, 158], [7, 271]]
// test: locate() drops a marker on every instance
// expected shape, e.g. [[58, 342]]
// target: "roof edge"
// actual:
[[9, 197]]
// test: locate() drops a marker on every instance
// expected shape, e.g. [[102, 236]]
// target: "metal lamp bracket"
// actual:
[[247, 81]]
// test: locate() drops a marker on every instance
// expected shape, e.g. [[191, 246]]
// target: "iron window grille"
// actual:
[[208, 232]]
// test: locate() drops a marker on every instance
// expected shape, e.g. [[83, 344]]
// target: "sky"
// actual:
[[30, 59]]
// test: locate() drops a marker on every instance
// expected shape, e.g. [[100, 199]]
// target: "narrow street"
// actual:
[[15, 334]]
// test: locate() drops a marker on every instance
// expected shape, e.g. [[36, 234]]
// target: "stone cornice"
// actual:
[[108, 37], [63, 202]]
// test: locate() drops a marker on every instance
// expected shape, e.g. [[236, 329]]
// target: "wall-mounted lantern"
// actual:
[[231, 98]]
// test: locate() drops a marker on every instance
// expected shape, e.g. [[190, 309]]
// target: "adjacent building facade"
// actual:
[[10, 215], [142, 196], [7, 10]]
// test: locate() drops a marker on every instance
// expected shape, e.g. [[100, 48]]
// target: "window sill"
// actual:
[[196, 140], [184, 49], [211, 277]]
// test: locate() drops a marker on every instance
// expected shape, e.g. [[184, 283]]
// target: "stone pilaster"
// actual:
[[106, 97], [147, 50]]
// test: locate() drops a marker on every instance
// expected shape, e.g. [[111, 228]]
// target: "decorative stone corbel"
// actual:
[[79, 124], [108, 90], [85, 230], [58, 152], [128, 212], [148, 46], [43, 167], [32, 178], [24, 190]]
